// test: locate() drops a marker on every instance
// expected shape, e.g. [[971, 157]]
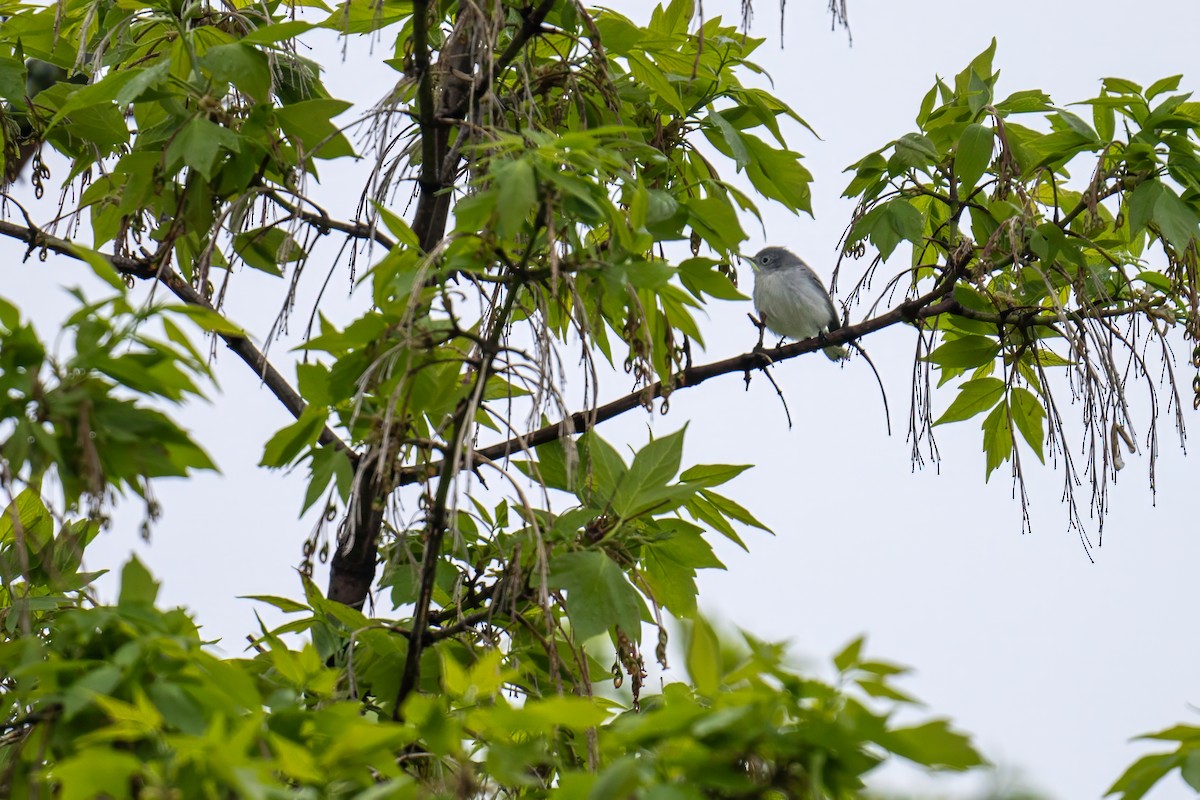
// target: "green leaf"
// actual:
[[1025, 102], [669, 565], [328, 463], [704, 658], [599, 595], [10, 316], [552, 467], [971, 298], [1028, 415], [1143, 774], [601, 467], [708, 514], [1104, 117], [12, 78], [997, 438], [1190, 771], [674, 18], [620, 36], [715, 219], [472, 213], [974, 397], [914, 151], [649, 74], [97, 127], [965, 353], [654, 466], [1156, 280], [297, 79], [201, 144], [143, 81], [698, 277], [849, 655], [779, 175], [906, 220], [979, 93], [732, 510], [1120, 86], [888, 224], [266, 249], [138, 586], [932, 744], [574, 713], [1075, 124], [1154, 202], [1163, 85], [880, 689], [288, 442], [36, 523], [978, 71], [244, 66], [927, 105], [207, 318], [869, 177], [95, 772], [973, 155], [661, 207], [516, 194], [282, 603], [309, 124], [100, 265], [712, 474], [399, 228], [96, 96], [731, 137], [1175, 733], [277, 32]]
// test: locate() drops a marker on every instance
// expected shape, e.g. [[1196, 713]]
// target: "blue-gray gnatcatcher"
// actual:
[[791, 300]]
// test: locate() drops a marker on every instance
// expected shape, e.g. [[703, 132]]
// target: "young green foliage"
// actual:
[[534, 174], [1034, 273]]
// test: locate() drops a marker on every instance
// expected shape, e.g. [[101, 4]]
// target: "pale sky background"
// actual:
[[1052, 661]]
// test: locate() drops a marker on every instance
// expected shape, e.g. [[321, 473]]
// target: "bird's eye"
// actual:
[[766, 259]]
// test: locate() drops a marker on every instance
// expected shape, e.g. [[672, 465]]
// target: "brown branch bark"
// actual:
[[436, 521], [325, 223], [930, 305], [352, 572]]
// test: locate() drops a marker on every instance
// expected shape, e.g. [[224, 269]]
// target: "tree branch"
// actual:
[[324, 223], [929, 305], [433, 202], [436, 522], [459, 87], [352, 572], [145, 269], [530, 26]]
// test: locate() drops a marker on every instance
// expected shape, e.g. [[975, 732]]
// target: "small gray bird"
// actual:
[[791, 300]]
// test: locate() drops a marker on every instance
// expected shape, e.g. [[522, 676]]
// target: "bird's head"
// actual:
[[770, 258]]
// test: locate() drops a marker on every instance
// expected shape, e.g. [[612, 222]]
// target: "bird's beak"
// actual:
[[748, 260]]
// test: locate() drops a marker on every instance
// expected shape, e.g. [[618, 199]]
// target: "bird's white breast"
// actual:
[[791, 304]]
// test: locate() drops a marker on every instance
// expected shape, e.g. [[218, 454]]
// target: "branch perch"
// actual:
[[145, 269]]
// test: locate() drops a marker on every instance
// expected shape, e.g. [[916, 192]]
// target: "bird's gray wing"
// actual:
[[835, 321]]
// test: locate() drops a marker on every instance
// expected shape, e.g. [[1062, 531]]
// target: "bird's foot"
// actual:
[[762, 331]]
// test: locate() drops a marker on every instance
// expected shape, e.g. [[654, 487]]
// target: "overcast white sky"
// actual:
[[1052, 661]]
